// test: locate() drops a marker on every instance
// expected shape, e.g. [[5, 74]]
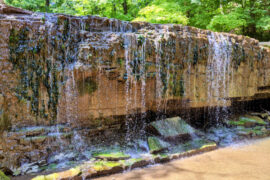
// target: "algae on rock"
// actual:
[[3, 176], [157, 145], [112, 156], [171, 128], [248, 121]]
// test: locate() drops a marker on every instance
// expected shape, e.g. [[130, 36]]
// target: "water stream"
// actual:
[[94, 84]]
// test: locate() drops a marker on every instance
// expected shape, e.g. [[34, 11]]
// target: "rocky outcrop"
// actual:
[[89, 71], [100, 74], [92, 169]]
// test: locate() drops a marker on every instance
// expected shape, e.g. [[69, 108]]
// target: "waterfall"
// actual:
[[128, 43], [89, 80], [219, 70]]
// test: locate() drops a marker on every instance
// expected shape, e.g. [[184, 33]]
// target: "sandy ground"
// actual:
[[243, 161]]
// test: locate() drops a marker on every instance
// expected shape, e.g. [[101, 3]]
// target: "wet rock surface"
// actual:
[[157, 145], [171, 129], [105, 163], [75, 86]]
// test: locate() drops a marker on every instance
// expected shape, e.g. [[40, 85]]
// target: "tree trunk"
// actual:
[[125, 6], [47, 5], [221, 7], [113, 9]]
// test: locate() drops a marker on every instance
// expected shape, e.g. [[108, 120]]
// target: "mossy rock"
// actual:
[[257, 131], [135, 163], [171, 129], [107, 167], [191, 145], [68, 174], [248, 121], [157, 145], [161, 158], [39, 178], [3, 176], [98, 165], [112, 156]]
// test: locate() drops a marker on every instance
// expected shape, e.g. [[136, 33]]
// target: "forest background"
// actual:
[[247, 17]]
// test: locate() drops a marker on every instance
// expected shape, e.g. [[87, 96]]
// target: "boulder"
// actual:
[[171, 129], [157, 145]]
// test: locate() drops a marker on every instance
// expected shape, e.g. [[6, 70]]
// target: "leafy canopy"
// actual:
[[247, 17]]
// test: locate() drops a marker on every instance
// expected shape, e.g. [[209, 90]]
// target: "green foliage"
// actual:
[[233, 21], [162, 12], [32, 5], [264, 23], [247, 17]]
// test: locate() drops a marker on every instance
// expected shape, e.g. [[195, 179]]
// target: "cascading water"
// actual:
[[98, 84], [219, 71]]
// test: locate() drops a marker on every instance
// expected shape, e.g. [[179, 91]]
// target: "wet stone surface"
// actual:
[[71, 86], [116, 158]]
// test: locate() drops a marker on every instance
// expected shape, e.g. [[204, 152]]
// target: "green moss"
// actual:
[[140, 40], [157, 145], [39, 178], [112, 156], [5, 123], [106, 165], [178, 85], [254, 119], [43, 19], [247, 121], [256, 131], [3, 176], [172, 127], [131, 161], [120, 62], [28, 58], [192, 145], [87, 86]]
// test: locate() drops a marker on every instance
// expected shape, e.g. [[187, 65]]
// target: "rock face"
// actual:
[[157, 145], [171, 129], [89, 71], [98, 73]]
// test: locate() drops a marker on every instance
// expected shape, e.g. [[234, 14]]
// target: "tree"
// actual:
[[247, 17]]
